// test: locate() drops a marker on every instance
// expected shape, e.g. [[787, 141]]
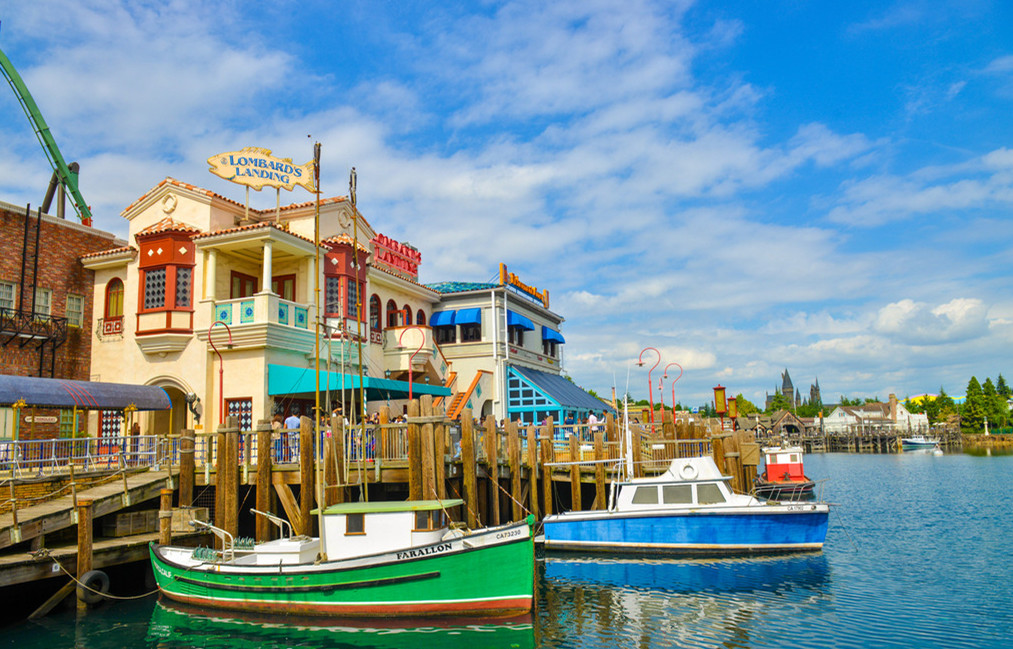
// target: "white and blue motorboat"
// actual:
[[689, 509]]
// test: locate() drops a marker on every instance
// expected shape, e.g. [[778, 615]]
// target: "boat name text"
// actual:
[[432, 549]]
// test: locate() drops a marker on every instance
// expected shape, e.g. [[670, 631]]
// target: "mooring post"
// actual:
[[165, 517], [262, 526], [414, 452], [221, 462], [574, 473], [599, 472], [231, 520], [533, 470], [492, 456], [338, 439], [514, 455], [545, 442], [306, 475], [468, 467], [428, 447], [84, 542], [440, 451], [186, 467]]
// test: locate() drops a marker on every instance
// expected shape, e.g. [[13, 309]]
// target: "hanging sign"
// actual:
[[255, 167]]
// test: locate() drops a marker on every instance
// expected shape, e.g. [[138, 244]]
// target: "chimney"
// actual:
[[893, 408]]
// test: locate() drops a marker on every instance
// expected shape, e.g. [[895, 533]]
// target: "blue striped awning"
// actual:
[[515, 319], [552, 335], [469, 316], [443, 319], [94, 395]]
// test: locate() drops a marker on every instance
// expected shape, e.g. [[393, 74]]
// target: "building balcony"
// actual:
[[400, 344], [261, 320]]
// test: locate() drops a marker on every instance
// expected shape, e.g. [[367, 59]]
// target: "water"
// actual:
[[917, 556]]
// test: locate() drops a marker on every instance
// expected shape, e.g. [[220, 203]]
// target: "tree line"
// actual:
[[982, 402]]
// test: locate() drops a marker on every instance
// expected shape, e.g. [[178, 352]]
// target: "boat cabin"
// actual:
[[688, 483], [783, 464], [361, 528]]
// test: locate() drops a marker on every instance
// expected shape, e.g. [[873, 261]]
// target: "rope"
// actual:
[[511, 497], [43, 553], [478, 518]]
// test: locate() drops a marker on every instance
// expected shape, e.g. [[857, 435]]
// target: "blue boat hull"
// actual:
[[745, 532]]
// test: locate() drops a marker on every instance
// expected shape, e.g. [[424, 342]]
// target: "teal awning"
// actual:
[[283, 380], [515, 319], [552, 335], [469, 316], [443, 319]]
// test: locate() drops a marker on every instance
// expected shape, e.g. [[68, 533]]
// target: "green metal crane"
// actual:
[[64, 174]]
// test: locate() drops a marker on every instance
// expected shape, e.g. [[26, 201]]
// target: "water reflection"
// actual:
[[173, 625], [688, 603]]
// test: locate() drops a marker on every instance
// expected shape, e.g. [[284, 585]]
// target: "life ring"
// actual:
[[687, 472], [92, 581]]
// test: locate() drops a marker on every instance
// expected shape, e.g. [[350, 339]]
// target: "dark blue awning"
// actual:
[[64, 393], [563, 391], [469, 316], [552, 335], [443, 319], [515, 319]]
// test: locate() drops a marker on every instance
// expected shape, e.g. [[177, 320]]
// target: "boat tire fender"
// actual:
[[92, 581], [688, 471]]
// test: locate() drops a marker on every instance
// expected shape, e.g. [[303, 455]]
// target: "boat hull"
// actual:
[[490, 573], [747, 530]]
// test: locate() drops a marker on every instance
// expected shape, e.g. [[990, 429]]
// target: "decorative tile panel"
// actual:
[[283, 310], [246, 311], [301, 317], [223, 312]]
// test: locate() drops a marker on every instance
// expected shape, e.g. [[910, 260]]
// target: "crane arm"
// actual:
[[66, 176]]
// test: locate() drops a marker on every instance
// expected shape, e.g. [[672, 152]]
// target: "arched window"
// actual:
[[114, 298], [407, 314], [420, 317], [374, 312], [393, 318]]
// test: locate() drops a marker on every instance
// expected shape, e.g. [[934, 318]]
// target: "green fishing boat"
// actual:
[[373, 559]]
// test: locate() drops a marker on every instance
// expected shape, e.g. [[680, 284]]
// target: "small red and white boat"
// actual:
[[783, 477]]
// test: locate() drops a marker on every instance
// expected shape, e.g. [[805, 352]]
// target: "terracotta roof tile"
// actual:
[[109, 253], [168, 225]]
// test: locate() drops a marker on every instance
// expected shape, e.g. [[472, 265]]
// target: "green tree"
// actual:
[[1002, 389], [779, 402], [745, 406], [995, 405], [945, 408], [972, 415]]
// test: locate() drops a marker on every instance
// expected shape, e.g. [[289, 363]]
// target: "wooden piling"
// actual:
[[574, 473], [338, 425], [611, 432], [638, 453], [514, 458], [414, 453], [600, 498], [545, 442], [187, 447], [262, 526], [468, 466], [221, 444], [84, 542], [231, 502], [165, 517], [492, 455], [533, 470], [306, 474], [428, 448], [440, 444]]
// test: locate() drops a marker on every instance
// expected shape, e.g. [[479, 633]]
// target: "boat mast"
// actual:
[[364, 494], [317, 423]]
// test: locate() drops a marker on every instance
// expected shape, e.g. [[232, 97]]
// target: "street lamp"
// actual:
[[733, 411], [650, 383], [411, 359], [720, 406], [221, 369], [665, 376]]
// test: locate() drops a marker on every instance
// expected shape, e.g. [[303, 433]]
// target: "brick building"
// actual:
[[46, 298]]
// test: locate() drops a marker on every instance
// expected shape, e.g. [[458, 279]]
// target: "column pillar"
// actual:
[[265, 283]]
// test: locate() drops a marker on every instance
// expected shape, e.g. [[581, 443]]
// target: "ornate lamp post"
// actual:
[[650, 383], [221, 370], [411, 359], [733, 411], [720, 407], [673, 384]]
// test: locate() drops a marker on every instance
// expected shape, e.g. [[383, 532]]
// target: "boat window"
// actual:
[[709, 494], [794, 459], [645, 496], [681, 494], [355, 524], [422, 521]]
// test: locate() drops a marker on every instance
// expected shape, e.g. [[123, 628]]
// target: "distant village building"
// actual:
[[876, 417], [793, 396]]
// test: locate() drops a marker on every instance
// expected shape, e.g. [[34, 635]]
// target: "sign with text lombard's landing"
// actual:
[[256, 167]]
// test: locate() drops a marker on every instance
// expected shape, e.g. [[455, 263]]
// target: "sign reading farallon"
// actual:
[[397, 256], [256, 167], [509, 279]]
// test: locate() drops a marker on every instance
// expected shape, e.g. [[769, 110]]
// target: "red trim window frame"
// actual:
[[284, 286], [247, 285], [375, 315]]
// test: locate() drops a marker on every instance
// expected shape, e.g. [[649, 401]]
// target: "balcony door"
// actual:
[[284, 285], [242, 286]]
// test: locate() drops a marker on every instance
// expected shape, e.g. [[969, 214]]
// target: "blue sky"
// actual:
[[745, 186]]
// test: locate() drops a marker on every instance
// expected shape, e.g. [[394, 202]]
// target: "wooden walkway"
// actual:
[[57, 514]]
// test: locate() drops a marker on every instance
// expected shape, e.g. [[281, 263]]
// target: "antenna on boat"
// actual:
[[627, 434]]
